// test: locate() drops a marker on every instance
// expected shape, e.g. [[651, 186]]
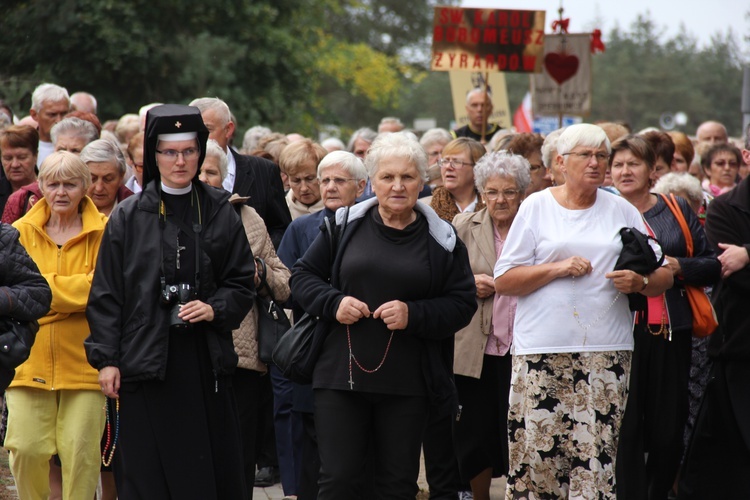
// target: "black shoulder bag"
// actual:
[[298, 350]]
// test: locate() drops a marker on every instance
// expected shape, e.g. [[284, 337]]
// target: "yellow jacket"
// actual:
[[58, 359]]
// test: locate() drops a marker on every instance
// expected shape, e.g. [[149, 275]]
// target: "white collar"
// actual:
[[177, 191]]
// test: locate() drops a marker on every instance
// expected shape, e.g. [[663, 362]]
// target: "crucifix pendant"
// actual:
[[179, 249], [351, 382]]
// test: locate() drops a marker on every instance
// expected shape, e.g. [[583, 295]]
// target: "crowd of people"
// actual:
[[467, 283]]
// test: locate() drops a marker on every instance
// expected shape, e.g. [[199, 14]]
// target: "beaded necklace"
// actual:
[[107, 460], [583, 327], [352, 358]]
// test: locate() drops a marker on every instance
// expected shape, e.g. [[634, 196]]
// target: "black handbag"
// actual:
[[298, 350], [637, 256], [272, 320], [16, 339]]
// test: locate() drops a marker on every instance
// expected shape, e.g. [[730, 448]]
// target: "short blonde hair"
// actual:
[[64, 166], [296, 154]]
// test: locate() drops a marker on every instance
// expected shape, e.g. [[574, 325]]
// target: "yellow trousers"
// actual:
[[68, 423]]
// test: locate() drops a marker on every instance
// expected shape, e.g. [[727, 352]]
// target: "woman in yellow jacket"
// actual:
[[54, 401]]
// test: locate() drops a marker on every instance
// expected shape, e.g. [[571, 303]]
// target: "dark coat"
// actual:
[[703, 269], [449, 306], [260, 179], [24, 293], [130, 328], [728, 221]]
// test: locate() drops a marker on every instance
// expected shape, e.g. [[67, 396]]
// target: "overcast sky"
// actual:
[[702, 18]]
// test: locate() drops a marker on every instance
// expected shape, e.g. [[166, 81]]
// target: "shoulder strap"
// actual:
[[677, 212]]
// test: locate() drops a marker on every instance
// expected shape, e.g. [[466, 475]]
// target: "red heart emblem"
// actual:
[[561, 67]]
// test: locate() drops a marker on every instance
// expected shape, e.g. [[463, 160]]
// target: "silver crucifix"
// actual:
[[179, 249]]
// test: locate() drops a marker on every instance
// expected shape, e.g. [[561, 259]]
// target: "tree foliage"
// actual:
[[296, 64]]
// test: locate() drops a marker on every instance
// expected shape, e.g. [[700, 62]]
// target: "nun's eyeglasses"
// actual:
[[173, 154]]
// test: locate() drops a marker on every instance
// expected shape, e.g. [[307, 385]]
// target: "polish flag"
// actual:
[[522, 118]]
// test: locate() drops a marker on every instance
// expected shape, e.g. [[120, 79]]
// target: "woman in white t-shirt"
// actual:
[[573, 331]]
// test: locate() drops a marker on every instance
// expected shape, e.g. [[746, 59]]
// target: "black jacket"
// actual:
[[24, 293], [728, 221], [703, 269], [450, 305], [129, 327], [260, 179]]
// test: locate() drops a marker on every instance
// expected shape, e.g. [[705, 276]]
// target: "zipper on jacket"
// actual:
[[216, 382], [669, 319]]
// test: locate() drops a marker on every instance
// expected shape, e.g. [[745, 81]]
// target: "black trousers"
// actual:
[[351, 424], [717, 464], [441, 466], [246, 385], [265, 442], [655, 416]]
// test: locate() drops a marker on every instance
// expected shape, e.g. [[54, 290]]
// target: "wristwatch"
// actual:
[[645, 282]]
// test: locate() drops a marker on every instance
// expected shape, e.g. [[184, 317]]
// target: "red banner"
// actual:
[[487, 40]]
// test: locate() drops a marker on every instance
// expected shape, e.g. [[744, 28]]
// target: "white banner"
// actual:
[[564, 85]]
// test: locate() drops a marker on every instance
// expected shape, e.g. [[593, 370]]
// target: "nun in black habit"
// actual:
[[173, 279]]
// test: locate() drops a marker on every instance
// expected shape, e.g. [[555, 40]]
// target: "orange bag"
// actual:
[[704, 316]]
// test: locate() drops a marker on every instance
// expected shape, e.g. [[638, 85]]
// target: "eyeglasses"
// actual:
[[725, 163], [445, 162], [586, 156], [508, 194], [296, 181], [187, 154], [339, 181]]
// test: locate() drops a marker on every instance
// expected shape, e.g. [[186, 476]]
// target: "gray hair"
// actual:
[[680, 182], [346, 160], [435, 135], [76, 127], [397, 145], [549, 147], [477, 90], [582, 134], [48, 92], [77, 96], [333, 144], [217, 105], [214, 150], [252, 137], [104, 151], [364, 133], [502, 164]]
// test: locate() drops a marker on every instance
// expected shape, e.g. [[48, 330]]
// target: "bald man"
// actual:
[[711, 132]]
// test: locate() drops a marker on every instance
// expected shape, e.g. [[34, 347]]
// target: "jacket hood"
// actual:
[[171, 119], [440, 230]]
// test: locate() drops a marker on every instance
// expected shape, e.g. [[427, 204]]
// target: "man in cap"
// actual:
[[162, 322]]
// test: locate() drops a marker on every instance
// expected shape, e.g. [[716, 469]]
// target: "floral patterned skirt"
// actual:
[[564, 423]]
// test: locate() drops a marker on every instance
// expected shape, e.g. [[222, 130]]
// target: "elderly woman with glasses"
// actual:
[[299, 162], [569, 381], [458, 193], [391, 298], [721, 164], [482, 350]]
